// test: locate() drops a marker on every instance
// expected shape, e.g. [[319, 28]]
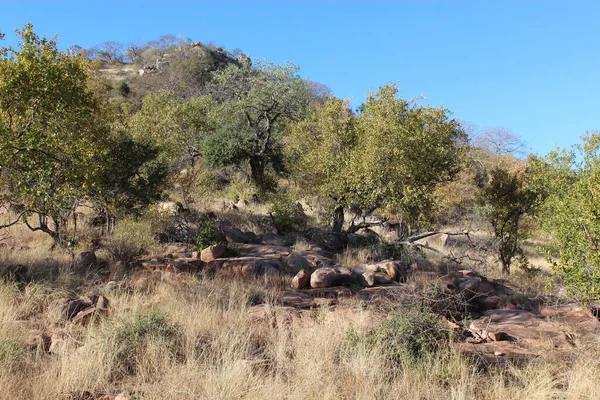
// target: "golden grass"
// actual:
[[203, 344]]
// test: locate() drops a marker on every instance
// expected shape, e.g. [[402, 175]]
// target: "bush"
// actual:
[[208, 234], [286, 214], [130, 240], [405, 338], [134, 337], [123, 88]]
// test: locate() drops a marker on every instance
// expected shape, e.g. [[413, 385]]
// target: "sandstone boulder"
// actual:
[[332, 276], [213, 252], [372, 278], [275, 240], [301, 280], [296, 263]]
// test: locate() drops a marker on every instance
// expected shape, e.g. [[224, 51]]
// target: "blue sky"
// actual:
[[532, 67]]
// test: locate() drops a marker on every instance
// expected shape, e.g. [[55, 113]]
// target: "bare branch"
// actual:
[[428, 234]]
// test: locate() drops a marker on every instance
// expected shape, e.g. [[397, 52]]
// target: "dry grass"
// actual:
[[192, 337]]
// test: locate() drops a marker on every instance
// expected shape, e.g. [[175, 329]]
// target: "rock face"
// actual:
[[301, 280], [478, 290], [296, 263], [213, 252], [85, 259], [332, 276]]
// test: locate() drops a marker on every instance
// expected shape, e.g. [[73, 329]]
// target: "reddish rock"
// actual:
[[213, 252], [295, 299], [489, 303], [327, 277], [376, 278], [301, 280], [296, 263]]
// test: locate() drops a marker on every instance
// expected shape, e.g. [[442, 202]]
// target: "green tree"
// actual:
[[507, 198], [390, 157], [319, 151], [571, 214], [404, 152], [262, 99], [51, 126], [177, 127]]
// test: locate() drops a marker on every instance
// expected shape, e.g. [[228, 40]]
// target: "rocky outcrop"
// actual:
[[236, 235]]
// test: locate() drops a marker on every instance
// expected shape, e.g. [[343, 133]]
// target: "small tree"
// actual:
[[507, 199], [51, 131], [177, 127], [263, 99], [389, 157], [571, 214]]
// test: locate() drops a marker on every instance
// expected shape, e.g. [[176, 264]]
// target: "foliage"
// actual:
[[507, 198], [123, 88], [405, 337], [208, 234], [229, 146], [391, 156], [132, 176], [263, 99], [571, 213], [52, 130], [135, 335], [286, 214], [177, 127], [130, 240]]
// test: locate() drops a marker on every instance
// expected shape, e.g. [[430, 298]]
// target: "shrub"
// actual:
[[123, 88], [134, 336], [405, 338], [208, 234], [130, 240], [286, 214]]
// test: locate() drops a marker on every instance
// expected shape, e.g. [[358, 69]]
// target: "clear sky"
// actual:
[[532, 67]]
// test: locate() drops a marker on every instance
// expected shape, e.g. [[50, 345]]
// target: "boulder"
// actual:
[[295, 299], [395, 270], [85, 259], [85, 310], [275, 240], [489, 303], [372, 278], [296, 263], [301, 280], [332, 276], [213, 252], [237, 236]]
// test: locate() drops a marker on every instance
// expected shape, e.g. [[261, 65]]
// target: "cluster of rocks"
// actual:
[[383, 273], [482, 294]]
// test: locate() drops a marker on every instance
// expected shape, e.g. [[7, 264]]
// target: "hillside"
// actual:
[[178, 221]]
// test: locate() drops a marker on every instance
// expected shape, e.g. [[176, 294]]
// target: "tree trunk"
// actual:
[[338, 219], [257, 170]]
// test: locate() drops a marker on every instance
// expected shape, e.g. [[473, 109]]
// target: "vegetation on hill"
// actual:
[[154, 170]]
